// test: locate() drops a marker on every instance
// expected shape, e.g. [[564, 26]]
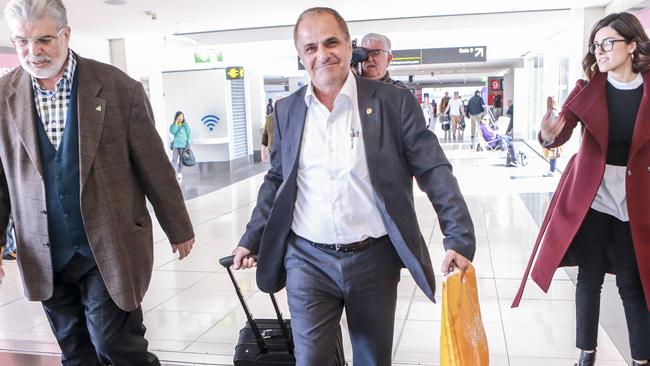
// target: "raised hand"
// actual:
[[551, 127]]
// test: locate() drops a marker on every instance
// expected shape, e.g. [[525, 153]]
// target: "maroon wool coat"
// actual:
[[581, 179]]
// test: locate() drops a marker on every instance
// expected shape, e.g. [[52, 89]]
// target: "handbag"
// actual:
[[462, 338], [445, 122], [187, 157]]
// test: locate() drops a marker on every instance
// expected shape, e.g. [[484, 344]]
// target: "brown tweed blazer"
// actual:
[[121, 161]]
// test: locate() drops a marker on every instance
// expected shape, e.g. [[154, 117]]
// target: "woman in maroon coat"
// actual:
[[599, 217]]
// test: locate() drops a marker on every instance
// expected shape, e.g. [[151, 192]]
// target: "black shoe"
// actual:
[[634, 363], [9, 256], [586, 359]]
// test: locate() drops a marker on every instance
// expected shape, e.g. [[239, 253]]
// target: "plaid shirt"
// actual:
[[52, 106]]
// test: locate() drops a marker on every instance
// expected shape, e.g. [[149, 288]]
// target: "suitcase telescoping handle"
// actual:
[[227, 262]]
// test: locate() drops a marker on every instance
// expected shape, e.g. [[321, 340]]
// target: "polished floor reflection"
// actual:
[[193, 316]]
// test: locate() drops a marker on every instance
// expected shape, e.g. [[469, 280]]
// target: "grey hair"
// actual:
[[32, 10], [319, 11], [378, 37]]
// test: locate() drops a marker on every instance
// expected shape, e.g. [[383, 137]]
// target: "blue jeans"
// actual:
[[177, 161], [10, 247]]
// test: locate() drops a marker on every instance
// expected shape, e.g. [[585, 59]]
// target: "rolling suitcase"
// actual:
[[268, 341]]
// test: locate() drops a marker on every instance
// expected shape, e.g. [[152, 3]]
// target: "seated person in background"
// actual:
[[494, 140]]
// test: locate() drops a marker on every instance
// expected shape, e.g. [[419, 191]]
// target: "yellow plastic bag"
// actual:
[[462, 339]]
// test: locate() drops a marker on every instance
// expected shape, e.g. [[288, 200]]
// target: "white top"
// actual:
[[611, 197], [455, 107], [427, 110], [637, 82], [335, 202]]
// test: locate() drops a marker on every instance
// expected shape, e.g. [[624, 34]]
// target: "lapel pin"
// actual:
[[369, 110], [99, 108]]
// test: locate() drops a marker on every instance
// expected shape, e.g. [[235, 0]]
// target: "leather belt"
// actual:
[[349, 248]]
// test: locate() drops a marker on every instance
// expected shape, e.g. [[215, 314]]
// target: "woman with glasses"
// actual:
[[599, 217]]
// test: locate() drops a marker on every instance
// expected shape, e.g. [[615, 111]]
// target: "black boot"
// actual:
[[586, 359]]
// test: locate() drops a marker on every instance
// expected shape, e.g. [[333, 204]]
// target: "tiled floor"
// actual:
[[193, 316]]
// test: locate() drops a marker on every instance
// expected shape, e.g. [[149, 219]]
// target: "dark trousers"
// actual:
[[90, 329], [506, 143], [321, 283], [599, 234]]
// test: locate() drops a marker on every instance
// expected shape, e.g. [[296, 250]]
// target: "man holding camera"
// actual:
[[335, 221], [379, 57]]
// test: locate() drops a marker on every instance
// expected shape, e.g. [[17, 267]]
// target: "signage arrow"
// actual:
[[479, 52]]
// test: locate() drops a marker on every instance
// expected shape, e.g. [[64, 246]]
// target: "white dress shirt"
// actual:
[[611, 197], [335, 202]]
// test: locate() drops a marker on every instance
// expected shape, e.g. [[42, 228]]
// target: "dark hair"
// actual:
[[477, 92], [629, 27], [178, 114], [317, 11]]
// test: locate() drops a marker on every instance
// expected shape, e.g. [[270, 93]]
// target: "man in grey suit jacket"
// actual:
[[79, 153], [335, 219]]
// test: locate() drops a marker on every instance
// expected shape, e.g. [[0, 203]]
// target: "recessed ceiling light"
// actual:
[[115, 2]]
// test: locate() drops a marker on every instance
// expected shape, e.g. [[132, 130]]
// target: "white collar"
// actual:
[[631, 85], [349, 90]]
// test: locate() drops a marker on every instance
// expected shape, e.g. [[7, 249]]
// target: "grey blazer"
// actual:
[[121, 161], [398, 148]]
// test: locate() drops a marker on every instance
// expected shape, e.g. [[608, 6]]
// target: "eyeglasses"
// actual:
[[376, 52], [45, 41], [606, 45]]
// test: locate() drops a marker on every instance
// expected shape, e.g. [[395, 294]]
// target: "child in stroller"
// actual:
[[493, 141]]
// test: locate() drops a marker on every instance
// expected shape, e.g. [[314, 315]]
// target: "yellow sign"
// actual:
[[233, 73]]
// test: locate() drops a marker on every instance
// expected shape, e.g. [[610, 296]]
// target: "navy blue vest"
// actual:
[[62, 189]]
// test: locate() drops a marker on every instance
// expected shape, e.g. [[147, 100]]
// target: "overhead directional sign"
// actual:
[[236, 72], [440, 55]]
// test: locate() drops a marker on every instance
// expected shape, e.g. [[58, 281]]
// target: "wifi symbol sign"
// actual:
[[210, 121]]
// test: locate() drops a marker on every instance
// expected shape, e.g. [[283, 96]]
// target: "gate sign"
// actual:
[[440, 55]]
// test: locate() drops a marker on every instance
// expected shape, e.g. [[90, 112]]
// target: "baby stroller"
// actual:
[[494, 141]]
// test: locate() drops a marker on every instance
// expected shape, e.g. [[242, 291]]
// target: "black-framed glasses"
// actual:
[[376, 52], [45, 41], [606, 45]]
